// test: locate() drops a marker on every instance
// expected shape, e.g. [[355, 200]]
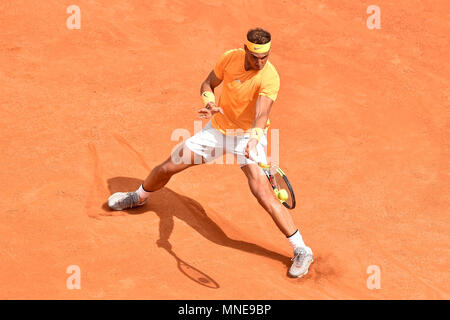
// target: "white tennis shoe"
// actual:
[[124, 200], [303, 257]]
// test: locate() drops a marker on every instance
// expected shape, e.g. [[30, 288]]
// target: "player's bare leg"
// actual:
[[181, 159], [263, 192]]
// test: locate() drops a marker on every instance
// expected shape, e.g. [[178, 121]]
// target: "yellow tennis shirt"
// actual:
[[241, 89]]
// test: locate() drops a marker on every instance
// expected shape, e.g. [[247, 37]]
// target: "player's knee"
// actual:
[[165, 169]]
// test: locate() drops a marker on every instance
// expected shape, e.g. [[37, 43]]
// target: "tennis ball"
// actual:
[[283, 195]]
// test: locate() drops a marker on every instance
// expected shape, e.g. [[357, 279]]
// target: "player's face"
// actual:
[[256, 61]]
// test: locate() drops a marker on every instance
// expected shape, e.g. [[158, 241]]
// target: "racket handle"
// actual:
[[263, 165]]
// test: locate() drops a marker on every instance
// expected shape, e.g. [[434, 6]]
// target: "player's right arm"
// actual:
[[210, 83], [210, 108]]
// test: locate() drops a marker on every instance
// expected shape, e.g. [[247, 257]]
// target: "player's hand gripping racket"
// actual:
[[279, 182]]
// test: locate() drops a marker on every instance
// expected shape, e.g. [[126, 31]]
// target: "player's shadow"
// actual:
[[168, 204]]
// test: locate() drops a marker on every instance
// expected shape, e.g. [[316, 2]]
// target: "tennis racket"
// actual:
[[280, 184]]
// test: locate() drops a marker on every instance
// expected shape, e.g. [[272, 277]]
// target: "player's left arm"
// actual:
[[262, 111]]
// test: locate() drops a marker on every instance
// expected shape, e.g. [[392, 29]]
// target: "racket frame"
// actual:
[[267, 170]]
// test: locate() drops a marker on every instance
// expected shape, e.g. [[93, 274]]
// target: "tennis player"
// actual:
[[238, 125]]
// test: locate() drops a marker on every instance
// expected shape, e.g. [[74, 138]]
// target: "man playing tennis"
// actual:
[[238, 125]]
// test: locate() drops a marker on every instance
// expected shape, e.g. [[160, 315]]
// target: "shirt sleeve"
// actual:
[[219, 69], [270, 87]]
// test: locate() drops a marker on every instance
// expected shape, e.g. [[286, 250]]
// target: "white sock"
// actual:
[[143, 195], [296, 240]]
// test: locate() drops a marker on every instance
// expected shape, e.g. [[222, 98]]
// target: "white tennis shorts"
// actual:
[[211, 144]]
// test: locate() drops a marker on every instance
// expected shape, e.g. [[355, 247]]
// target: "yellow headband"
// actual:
[[258, 48]]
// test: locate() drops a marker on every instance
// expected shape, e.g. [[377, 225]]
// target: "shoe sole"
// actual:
[[138, 205]]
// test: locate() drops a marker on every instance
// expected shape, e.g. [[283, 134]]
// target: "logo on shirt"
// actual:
[[237, 80]]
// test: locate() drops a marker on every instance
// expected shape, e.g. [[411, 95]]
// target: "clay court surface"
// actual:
[[364, 138]]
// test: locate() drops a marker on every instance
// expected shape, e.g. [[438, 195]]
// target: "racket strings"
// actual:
[[281, 184]]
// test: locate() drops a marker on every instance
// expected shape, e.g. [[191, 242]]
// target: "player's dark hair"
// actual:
[[258, 36]]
